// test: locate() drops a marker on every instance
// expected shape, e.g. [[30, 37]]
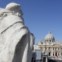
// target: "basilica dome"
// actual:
[[49, 37]]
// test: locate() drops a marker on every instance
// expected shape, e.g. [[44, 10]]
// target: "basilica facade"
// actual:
[[51, 47]]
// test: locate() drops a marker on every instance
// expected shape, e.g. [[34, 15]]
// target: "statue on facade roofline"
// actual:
[[16, 41]]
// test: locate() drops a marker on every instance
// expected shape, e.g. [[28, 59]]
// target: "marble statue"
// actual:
[[16, 41]]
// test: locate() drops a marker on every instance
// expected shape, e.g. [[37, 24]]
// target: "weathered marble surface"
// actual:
[[16, 41]]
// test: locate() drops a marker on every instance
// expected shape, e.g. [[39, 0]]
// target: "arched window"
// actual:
[[55, 53], [49, 53]]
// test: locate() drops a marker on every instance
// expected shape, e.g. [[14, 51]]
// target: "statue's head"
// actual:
[[9, 15], [14, 7]]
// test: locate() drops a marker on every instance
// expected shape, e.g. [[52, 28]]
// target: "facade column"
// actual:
[[51, 51], [46, 59]]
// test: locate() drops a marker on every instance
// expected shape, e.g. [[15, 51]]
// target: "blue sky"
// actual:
[[41, 16]]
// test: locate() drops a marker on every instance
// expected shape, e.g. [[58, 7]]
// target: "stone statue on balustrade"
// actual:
[[16, 41]]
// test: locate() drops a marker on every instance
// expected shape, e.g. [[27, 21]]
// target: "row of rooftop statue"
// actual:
[[16, 41]]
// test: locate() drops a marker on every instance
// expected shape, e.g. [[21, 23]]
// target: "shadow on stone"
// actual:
[[18, 55]]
